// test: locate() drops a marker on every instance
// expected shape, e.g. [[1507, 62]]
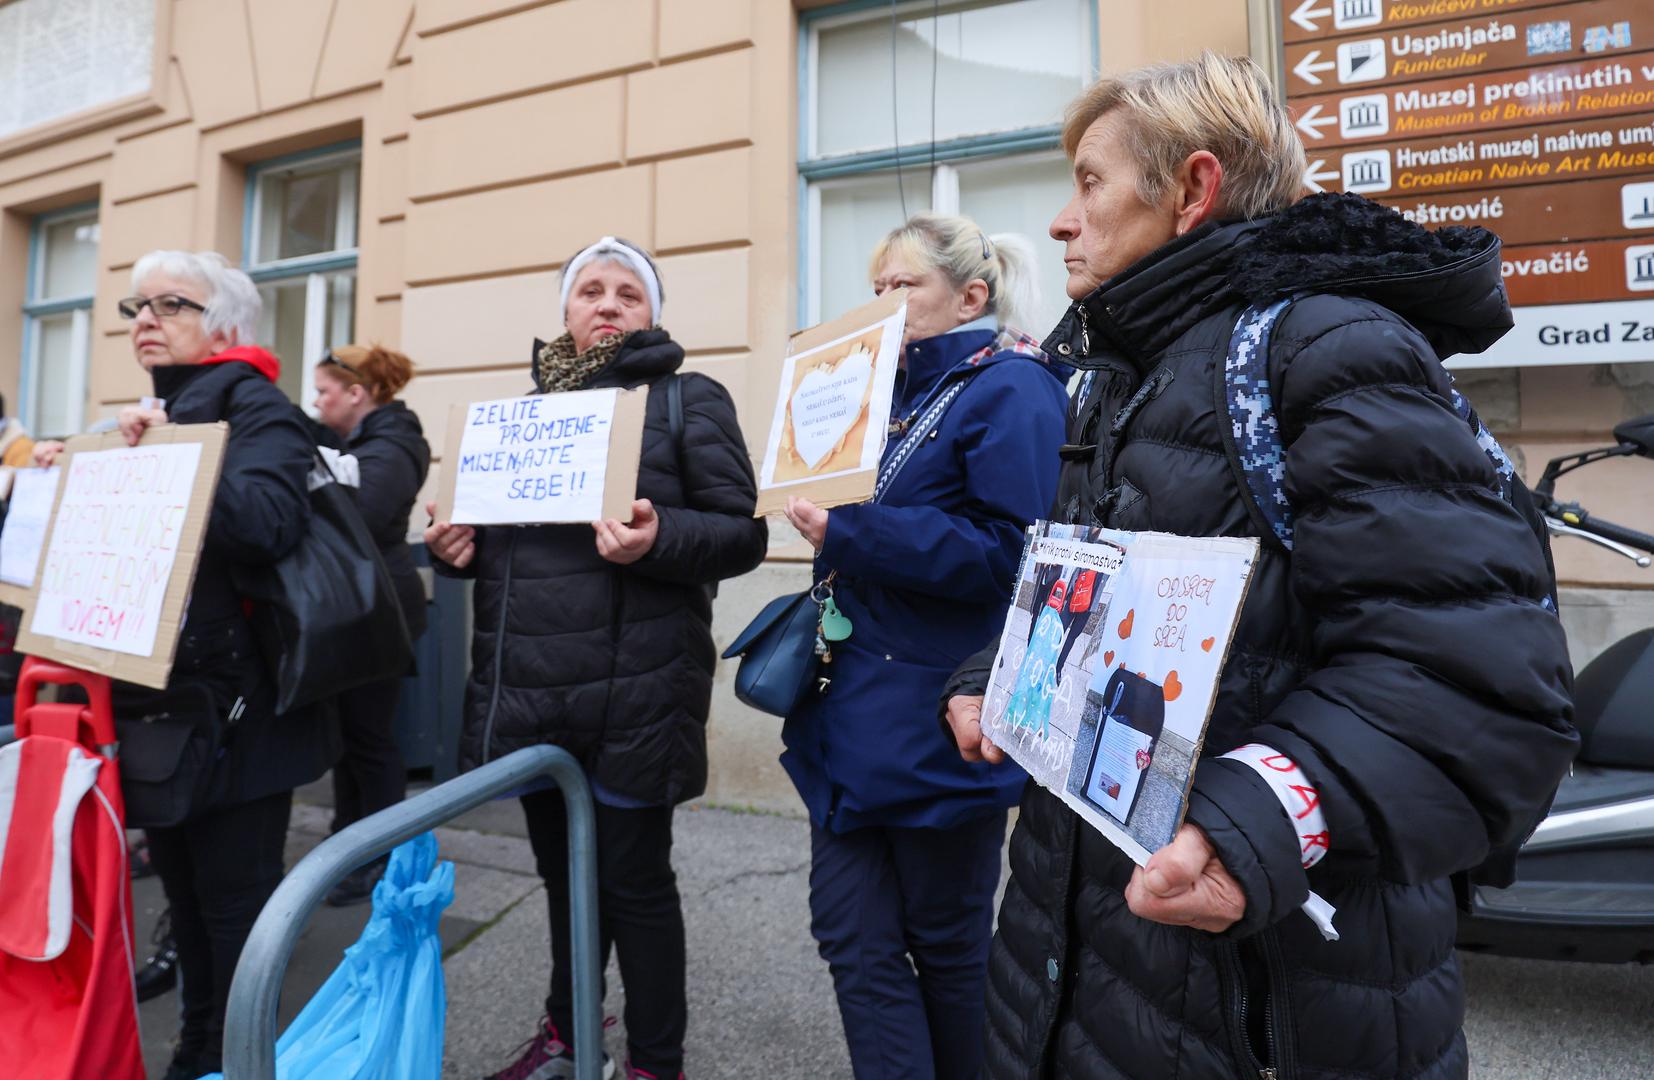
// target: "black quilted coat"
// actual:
[[260, 512], [614, 663], [390, 449], [1400, 654]]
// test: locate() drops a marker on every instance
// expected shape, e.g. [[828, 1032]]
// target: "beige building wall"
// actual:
[[499, 135], [668, 122]]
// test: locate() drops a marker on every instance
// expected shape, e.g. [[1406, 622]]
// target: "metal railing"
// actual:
[[250, 1023]]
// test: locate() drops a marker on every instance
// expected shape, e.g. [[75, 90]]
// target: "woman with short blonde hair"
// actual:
[[1214, 103], [1268, 366]]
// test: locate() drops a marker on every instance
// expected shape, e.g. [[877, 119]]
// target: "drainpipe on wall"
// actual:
[[1263, 32]]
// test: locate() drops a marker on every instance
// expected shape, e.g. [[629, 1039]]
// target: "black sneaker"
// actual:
[[182, 1068], [357, 885], [189, 1065], [160, 972]]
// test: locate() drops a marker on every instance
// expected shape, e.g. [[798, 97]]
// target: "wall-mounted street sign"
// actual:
[[1502, 40], [1535, 120], [1306, 20]]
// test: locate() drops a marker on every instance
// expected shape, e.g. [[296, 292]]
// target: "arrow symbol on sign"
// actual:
[[1311, 122], [1313, 175], [1307, 67], [1304, 15]]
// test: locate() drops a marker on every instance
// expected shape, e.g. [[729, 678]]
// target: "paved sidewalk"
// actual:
[[761, 1002]]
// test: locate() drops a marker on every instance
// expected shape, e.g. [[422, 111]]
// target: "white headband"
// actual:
[[628, 255]]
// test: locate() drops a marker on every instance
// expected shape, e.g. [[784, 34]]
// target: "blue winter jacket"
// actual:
[[924, 576]]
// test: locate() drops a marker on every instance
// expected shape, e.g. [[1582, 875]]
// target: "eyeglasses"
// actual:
[[164, 306]]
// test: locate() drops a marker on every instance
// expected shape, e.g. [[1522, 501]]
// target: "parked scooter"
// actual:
[[1585, 880]]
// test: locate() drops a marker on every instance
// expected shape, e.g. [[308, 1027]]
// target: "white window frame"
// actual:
[[36, 309], [312, 269], [816, 173]]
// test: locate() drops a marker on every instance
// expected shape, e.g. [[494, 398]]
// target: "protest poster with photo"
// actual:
[[1108, 666], [28, 510], [543, 459], [832, 408], [121, 549]]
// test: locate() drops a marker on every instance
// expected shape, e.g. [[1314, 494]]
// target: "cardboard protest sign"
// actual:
[[1108, 667], [543, 459], [832, 408], [121, 550], [27, 513]]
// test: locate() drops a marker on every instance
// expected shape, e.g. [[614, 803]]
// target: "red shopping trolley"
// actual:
[[67, 1007]]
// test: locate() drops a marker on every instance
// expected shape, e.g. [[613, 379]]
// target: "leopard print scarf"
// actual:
[[558, 367]]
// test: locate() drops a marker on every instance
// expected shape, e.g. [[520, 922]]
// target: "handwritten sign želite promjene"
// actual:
[[543, 459], [121, 551]]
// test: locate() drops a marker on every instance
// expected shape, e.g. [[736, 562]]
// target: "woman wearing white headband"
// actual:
[[599, 639]]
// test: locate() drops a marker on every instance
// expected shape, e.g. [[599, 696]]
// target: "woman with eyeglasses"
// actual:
[[905, 837], [218, 852], [356, 388]]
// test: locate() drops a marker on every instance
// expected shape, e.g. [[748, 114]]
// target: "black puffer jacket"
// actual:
[[260, 511], [1400, 654], [614, 663], [390, 449]]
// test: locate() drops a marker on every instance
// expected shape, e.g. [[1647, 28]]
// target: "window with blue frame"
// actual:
[[57, 321], [954, 107], [300, 249]]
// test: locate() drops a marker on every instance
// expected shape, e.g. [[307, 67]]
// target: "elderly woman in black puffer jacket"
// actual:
[[192, 321], [1398, 658], [598, 639]]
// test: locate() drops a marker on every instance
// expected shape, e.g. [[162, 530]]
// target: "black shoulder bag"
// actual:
[[326, 615]]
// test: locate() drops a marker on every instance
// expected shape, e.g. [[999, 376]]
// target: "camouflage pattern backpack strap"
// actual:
[[1251, 432], [1490, 446]]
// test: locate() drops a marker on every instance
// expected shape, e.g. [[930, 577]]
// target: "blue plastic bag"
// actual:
[[380, 1014]]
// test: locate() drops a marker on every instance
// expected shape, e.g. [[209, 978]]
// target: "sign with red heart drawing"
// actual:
[[1108, 667]]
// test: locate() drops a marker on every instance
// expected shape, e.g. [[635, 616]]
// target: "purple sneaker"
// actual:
[[546, 1056]]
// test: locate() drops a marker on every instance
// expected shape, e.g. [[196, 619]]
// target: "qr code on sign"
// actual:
[[1550, 37]]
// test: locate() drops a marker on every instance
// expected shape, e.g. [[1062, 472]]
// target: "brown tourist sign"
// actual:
[[1305, 20], [1534, 120], [1537, 213], [1574, 151], [1469, 103], [1497, 41]]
